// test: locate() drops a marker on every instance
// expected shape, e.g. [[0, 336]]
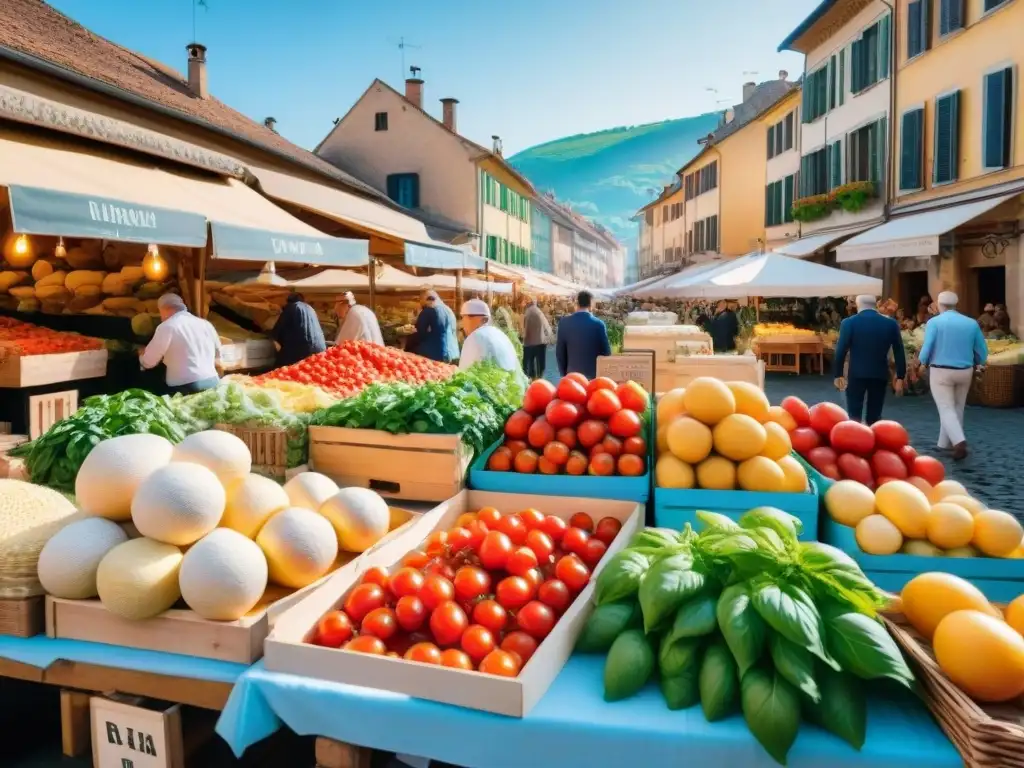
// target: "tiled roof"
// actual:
[[764, 97], [823, 7], [35, 30]]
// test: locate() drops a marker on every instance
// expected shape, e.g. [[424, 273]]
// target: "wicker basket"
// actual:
[[996, 387], [989, 736], [268, 446]]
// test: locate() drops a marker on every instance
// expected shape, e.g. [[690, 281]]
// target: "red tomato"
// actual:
[[376, 575], [459, 538], [536, 619], [593, 552], [488, 516], [630, 465], [566, 435], [591, 432], [888, 464], [522, 645], [604, 403], [334, 629], [632, 396], [555, 594], [831, 471], [500, 460], [555, 528], [525, 462], [541, 433], [577, 464], [572, 391], [579, 378], [854, 467], [367, 644], [635, 446], [625, 423], [447, 623], [612, 446], [500, 663], [456, 659], [804, 440], [364, 599], [852, 437], [930, 469], [406, 581], [477, 642], [477, 531], [415, 559], [890, 434], [521, 561], [575, 540], [436, 543], [537, 396], [410, 613], [471, 582], [583, 521], [601, 382], [424, 653], [380, 622], [532, 517], [513, 527], [490, 614], [571, 570], [514, 592], [607, 529], [541, 544], [798, 409], [908, 454], [436, 590], [561, 414], [557, 453], [547, 467], [821, 456], [494, 550], [602, 464], [518, 425], [824, 416], [515, 446]]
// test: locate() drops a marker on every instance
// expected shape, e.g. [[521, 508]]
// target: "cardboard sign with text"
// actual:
[[633, 365], [127, 736]]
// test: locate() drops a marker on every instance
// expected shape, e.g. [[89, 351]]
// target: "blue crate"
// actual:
[[1001, 580], [674, 507]]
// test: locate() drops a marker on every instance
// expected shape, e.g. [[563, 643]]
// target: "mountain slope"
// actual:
[[608, 175]]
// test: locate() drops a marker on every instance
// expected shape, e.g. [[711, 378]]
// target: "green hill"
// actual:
[[608, 175]]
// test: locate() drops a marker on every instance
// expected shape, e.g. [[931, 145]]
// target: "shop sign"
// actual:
[[250, 244], [127, 736], [915, 247], [37, 211], [436, 257], [631, 365]]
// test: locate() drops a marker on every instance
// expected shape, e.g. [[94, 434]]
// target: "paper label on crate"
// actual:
[[119, 741], [232, 354], [635, 365]]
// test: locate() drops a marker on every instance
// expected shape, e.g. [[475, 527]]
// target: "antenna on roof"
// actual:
[[402, 46], [197, 4]]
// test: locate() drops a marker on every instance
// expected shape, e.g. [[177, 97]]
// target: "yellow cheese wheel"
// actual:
[[139, 578]]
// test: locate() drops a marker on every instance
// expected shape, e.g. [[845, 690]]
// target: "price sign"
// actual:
[[633, 365]]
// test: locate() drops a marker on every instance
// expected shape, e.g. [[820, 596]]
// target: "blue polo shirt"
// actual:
[[952, 340]]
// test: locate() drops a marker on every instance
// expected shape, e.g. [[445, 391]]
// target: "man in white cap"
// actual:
[[356, 322], [187, 345], [953, 347], [868, 337], [484, 341]]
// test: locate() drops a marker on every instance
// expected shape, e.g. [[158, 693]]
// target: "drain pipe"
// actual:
[[890, 175]]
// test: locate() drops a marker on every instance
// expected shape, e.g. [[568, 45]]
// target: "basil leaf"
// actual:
[[621, 576], [655, 537], [717, 521], [677, 656], [681, 691], [791, 612], [843, 709], [862, 646], [607, 622], [787, 526], [718, 682], [824, 557], [629, 665], [794, 663], [664, 588], [742, 626], [771, 708], [696, 617]]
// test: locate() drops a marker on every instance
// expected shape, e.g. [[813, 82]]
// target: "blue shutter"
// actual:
[[947, 150], [832, 72], [911, 146], [857, 66], [787, 198], [996, 123], [883, 47], [951, 17], [805, 102], [914, 42], [842, 76]]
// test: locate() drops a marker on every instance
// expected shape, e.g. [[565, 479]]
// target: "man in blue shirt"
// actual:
[[953, 346], [582, 338], [867, 337], [432, 328]]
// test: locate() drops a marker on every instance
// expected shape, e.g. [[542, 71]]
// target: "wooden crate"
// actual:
[[18, 371], [180, 630], [260, 353], [129, 731], [46, 410], [21, 618], [725, 367], [267, 445], [232, 356], [414, 467]]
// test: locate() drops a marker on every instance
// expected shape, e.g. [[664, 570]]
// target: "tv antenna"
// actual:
[[402, 45], [197, 4]]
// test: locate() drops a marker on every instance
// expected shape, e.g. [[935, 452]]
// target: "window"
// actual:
[[865, 153], [869, 56], [698, 236], [649, 217], [404, 189], [832, 71], [814, 173], [997, 119], [380, 121], [688, 184], [918, 27], [912, 149], [835, 164], [707, 178], [788, 193], [946, 163], [951, 16], [711, 234], [815, 95], [774, 203], [787, 139], [771, 141], [664, 214], [689, 241], [992, 4], [842, 76]]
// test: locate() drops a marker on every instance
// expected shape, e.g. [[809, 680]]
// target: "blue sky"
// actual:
[[529, 70]]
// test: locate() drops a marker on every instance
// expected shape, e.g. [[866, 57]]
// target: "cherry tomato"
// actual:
[[437, 543], [575, 541], [536, 619], [500, 663], [535, 577], [380, 622], [367, 644], [465, 519], [520, 644], [436, 590], [378, 576], [477, 641], [573, 572], [494, 550], [406, 581], [520, 561], [513, 527], [477, 530], [439, 567], [425, 653], [592, 552], [556, 594], [490, 614], [448, 622], [411, 613], [554, 527], [459, 539], [532, 518], [582, 520], [335, 629], [415, 559], [489, 516], [456, 659], [471, 582], [514, 592], [364, 599], [541, 544], [607, 529]]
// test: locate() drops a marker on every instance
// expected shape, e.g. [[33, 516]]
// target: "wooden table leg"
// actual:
[[75, 727], [335, 754]]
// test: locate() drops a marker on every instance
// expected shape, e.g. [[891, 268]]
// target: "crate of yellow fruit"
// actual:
[[721, 448]]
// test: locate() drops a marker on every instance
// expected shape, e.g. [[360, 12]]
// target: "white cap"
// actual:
[[947, 299], [475, 308], [349, 298], [866, 301]]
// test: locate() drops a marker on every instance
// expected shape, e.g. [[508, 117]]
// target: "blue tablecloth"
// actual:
[[571, 725]]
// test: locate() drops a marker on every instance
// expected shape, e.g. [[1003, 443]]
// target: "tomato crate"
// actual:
[[289, 648], [18, 371], [674, 507]]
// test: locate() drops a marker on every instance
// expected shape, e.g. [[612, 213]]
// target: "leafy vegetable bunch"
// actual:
[[473, 403], [743, 615], [53, 459]]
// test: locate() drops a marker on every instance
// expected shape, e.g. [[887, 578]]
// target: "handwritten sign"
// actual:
[[127, 736], [633, 365]]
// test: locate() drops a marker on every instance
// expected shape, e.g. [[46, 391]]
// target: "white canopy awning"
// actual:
[[807, 246], [915, 235], [469, 284], [666, 283], [388, 278]]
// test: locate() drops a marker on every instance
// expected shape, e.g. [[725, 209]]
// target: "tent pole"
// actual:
[[458, 287], [487, 277], [371, 273], [757, 308]]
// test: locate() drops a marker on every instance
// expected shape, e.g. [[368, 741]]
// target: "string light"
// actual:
[[21, 245], [60, 251], [154, 267]]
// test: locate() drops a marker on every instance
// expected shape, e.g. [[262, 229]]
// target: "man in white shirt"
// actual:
[[356, 322], [187, 345], [486, 342]]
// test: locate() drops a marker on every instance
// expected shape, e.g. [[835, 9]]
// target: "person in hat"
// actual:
[[451, 338], [867, 338], [188, 346], [987, 319], [953, 348], [356, 322], [432, 329], [297, 332], [485, 341]]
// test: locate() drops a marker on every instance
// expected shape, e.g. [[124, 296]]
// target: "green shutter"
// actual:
[[911, 145], [996, 125], [947, 149], [857, 66], [805, 105], [771, 141], [768, 206], [787, 199], [877, 147], [842, 76], [883, 47], [835, 164], [832, 72]]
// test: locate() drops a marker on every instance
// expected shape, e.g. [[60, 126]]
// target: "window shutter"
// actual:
[[883, 47], [771, 141], [946, 138], [787, 198], [856, 66], [910, 149], [779, 202], [778, 138], [842, 76], [996, 125], [836, 164], [952, 16], [768, 206], [828, 166], [914, 42], [805, 101], [788, 141], [832, 83], [878, 142]]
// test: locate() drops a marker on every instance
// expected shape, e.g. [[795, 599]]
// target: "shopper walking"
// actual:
[[432, 329], [582, 338], [954, 347], [867, 338], [536, 334], [724, 328]]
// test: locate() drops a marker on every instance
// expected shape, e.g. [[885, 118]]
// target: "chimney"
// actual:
[[448, 113], [414, 87], [783, 74], [270, 122], [197, 70], [730, 115], [748, 91], [496, 145]]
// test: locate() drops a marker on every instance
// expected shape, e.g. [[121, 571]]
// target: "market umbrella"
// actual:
[[655, 287], [342, 279]]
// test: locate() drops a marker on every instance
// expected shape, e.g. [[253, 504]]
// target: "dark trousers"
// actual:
[[196, 386], [534, 359], [857, 390]]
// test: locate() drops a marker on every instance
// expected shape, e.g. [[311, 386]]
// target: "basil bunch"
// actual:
[[744, 616]]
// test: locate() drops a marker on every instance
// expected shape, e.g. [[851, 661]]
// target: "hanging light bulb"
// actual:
[[154, 267], [21, 255], [60, 251], [21, 245]]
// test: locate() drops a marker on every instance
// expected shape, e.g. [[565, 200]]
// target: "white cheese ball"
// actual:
[[221, 452], [68, 563], [251, 500], [139, 578], [113, 471], [310, 490], [300, 546], [360, 517], [223, 575], [178, 504]]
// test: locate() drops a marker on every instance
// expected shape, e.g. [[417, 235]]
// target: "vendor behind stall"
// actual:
[[187, 345], [485, 341], [432, 329], [356, 322], [297, 332], [724, 328]]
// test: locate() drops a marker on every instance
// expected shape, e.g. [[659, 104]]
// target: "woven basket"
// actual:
[[987, 736], [25, 530], [996, 387]]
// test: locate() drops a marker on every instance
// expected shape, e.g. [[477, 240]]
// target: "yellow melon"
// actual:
[[848, 502], [929, 597], [750, 399], [946, 488], [661, 439], [795, 474], [950, 526], [777, 443], [997, 534], [922, 485], [709, 400], [1015, 614], [920, 548], [761, 474], [689, 440], [967, 551], [982, 655], [670, 405], [877, 536], [781, 416], [739, 437], [905, 506], [969, 503], [716, 474], [670, 472]]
